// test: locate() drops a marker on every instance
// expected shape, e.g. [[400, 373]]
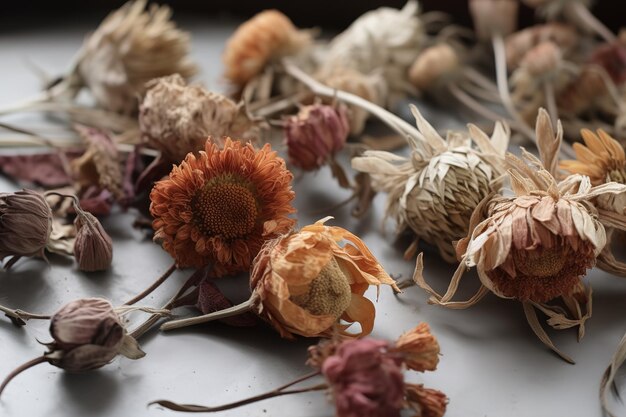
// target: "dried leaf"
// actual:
[[43, 169]]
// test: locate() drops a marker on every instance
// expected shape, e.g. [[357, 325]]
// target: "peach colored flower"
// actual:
[[221, 206], [419, 349], [305, 282]]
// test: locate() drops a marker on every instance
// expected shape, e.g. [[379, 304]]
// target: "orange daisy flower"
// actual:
[[221, 206]]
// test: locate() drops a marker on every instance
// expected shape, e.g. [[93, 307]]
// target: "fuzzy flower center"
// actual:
[[541, 264], [226, 207], [329, 294], [617, 175]]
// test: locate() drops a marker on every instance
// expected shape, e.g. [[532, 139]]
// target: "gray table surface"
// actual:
[[491, 363]]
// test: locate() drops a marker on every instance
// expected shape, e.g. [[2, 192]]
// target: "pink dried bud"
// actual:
[[427, 402], [25, 224], [433, 67], [493, 17], [315, 134], [88, 334], [365, 380], [542, 59], [93, 248], [419, 349]]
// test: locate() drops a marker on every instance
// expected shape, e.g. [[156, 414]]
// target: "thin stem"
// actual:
[[21, 369], [548, 92], [190, 408], [579, 10], [390, 119], [19, 315], [228, 312], [503, 86], [152, 287]]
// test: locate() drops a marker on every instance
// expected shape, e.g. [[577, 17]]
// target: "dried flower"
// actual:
[[220, 206], [129, 48], [418, 348], [535, 246], [25, 225], [493, 17], [99, 165], [315, 134], [364, 381], [372, 87], [386, 40], [434, 67], [93, 247], [304, 282], [176, 118], [427, 402], [435, 191], [612, 57], [542, 59], [519, 43], [88, 334], [268, 36]]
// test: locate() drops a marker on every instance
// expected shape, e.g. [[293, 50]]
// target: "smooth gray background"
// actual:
[[491, 363]]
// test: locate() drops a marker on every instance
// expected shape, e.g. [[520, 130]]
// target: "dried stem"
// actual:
[[19, 317], [153, 286], [228, 312], [608, 378], [579, 10], [21, 369]]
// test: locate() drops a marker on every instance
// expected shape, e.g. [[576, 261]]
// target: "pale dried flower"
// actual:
[[25, 225], [315, 135], [493, 17], [176, 118], [435, 190], [385, 40], [99, 165], [268, 36], [434, 66], [93, 247], [129, 48], [542, 60], [519, 43], [371, 87]]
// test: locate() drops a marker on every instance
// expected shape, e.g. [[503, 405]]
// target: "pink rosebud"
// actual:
[[365, 380], [315, 134]]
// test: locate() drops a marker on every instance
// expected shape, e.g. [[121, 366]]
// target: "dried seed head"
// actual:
[[519, 43], [494, 17], [25, 224], [315, 134], [542, 60], [419, 349], [177, 118], [268, 36], [370, 87], [433, 67], [305, 282], [88, 334], [426, 401], [435, 191], [93, 247], [129, 48]]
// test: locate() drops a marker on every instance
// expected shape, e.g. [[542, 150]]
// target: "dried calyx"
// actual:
[[87, 334], [305, 283], [364, 377]]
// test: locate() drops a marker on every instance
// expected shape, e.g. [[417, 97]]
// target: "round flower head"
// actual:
[[435, 190], [220, 206], [267, 36], [129, 48], [520, 42], [493, 17], [435, 66], [305, 282], [176, 118], [315, 134], [25, 225]]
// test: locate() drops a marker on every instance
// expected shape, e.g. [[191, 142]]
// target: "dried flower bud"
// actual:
[[25, 225], [315, 134], [370, 87], [305, 282], [542, 60], [129, 48], [519, 43], [93, 248], [419, 349], [365, 381], [177, 118], [267, 36], [434, 67], [426, 401], [493, 17], [88, 334]]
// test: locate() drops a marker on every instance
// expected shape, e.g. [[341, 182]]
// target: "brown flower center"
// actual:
[[543, 274], [329, 294], [225, 207], [617, 175]]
